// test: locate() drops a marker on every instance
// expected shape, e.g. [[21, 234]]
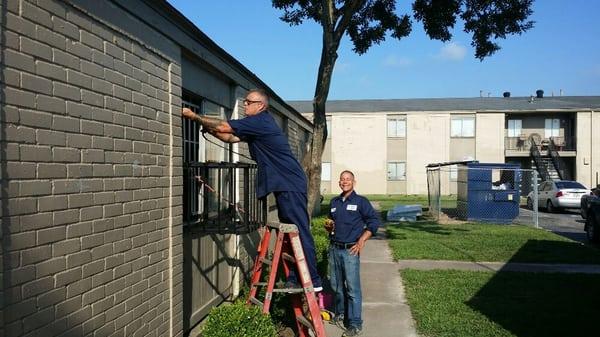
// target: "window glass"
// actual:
[[396, 127], [514, 127], [462, 127], [396, 171], [569, 184], [552, 127], [325, 171], [329, 129]]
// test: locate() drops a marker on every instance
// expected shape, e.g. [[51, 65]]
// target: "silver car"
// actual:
[[554, 195]]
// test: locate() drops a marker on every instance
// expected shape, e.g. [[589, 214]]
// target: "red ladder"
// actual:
[[288, 250]]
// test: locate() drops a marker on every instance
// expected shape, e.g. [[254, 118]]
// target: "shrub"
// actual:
[[238, 320]]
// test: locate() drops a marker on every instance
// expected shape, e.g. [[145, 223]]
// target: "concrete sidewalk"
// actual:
[[385, 311]]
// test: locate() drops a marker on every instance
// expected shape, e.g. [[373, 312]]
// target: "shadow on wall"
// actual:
[[208, 271], [540, 304], [5, 273]]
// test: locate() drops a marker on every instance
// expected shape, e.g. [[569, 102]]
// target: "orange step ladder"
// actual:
[[288, 251]]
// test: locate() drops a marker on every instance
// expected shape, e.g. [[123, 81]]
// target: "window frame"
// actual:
[[396, 177], [462, 132], [514, 133], [549, 132], [396, 119]]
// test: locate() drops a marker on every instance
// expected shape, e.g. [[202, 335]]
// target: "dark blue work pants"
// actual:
[[291, 208]]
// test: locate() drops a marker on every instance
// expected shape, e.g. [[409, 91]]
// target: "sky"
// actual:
[[561, 52]]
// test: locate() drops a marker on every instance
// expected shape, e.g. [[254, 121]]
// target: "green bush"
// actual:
[[238, 320]]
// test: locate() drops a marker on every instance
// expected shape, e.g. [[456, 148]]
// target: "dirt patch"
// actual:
[[446, 220]]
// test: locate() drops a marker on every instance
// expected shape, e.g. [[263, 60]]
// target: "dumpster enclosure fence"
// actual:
[[493, 193]]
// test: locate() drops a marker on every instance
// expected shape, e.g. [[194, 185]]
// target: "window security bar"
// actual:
[[220, 198]]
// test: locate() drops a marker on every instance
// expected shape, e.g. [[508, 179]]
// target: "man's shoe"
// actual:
[[338, 320], [318, 289], [353, 331]]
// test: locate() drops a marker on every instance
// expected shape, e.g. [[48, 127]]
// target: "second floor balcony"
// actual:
[[521, 146]]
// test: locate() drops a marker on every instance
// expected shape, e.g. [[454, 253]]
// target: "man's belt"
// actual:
[[343, 245]]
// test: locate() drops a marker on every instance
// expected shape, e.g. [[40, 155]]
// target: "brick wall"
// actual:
[[86, 177]]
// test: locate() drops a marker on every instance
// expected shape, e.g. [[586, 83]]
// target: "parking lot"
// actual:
[[567, 222]]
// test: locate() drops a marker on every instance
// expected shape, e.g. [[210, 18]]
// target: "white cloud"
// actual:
[[452, 52], [394, 61]]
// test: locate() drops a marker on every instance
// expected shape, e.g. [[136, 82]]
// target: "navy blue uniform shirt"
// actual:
[[352, 216], [278, 169]]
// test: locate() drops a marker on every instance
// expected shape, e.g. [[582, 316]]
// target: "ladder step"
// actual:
[[289, 290], [256, 301], [260, 284], [266, 261], [288, 257], [302, 320]]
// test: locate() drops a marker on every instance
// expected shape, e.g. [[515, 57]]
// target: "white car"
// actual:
[[554, 195]]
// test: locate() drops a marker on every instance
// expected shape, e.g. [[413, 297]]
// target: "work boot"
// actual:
[[353, 331]]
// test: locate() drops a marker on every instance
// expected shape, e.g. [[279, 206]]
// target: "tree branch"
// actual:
[[348, 11]]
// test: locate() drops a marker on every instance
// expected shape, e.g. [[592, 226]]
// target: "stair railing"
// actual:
[[537, 159], [557, 161]]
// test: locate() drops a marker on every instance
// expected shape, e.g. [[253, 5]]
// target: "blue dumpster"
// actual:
[[488, 197]]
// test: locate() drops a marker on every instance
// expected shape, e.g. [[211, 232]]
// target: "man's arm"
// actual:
[[372, 223], [226, 137], [212, 125]]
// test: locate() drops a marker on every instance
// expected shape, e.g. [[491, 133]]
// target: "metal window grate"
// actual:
[[220, 198]]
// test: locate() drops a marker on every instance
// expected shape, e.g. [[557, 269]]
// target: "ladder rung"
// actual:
[[266, 261], [304, 322], [260, 284], [289, 290], [288, 257], [256, 301]]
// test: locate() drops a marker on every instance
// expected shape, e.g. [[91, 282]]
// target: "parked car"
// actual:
[[585, 201], [592, 221], [554, 195]]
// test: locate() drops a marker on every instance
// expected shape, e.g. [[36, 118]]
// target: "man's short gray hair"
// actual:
[[262, 93]]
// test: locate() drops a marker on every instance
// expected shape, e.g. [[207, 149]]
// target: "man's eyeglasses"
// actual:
[[248, 102]]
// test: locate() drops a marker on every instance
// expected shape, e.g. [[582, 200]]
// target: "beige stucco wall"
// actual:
[[462, 148], [588, 148], [359, 145], [489, 137], [427, 136]]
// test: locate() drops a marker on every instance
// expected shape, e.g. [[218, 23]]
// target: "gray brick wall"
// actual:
[[85, 187]]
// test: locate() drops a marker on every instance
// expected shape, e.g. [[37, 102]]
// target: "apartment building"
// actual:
[[388, 143], [119, 218]]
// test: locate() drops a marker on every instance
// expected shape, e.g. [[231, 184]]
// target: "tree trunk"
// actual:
[[312, 164]]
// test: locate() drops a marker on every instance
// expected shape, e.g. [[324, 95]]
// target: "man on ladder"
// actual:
[[278, 170]]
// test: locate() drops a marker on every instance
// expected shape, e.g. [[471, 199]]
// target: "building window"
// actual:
[[514, 127], [396, 127], [325, 171], [453, 172], [552, 127], [329, 130], [462, 127], [201, 191], [396, 171]]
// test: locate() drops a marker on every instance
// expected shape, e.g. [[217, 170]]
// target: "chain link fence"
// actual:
[[496, 195]]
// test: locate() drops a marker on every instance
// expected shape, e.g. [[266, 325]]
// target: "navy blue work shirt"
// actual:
[[278, 169], [352, 216]]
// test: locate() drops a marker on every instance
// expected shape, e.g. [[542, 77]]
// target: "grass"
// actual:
[[485, 242], [448, 303]]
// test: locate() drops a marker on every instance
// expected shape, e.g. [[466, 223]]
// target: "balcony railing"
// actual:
[[221, 198], [523, 143]]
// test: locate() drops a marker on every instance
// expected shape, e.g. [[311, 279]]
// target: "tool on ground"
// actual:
[[288, 252]]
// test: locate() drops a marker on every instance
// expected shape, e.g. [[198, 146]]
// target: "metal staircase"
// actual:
[[557, 162], [538, 161]]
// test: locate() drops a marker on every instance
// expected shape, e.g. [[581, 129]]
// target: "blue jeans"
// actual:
[[345, 281]]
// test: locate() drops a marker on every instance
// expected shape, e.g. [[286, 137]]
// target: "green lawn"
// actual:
[[466, 303], [485, 242]]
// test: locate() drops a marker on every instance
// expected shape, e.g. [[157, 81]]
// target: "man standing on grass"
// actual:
[[278, 170], [352, 221]]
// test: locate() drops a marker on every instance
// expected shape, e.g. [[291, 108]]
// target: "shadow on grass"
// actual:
[[430, 227], [541, 304]]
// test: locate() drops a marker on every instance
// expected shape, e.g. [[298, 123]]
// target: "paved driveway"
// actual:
[[567, 222]]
